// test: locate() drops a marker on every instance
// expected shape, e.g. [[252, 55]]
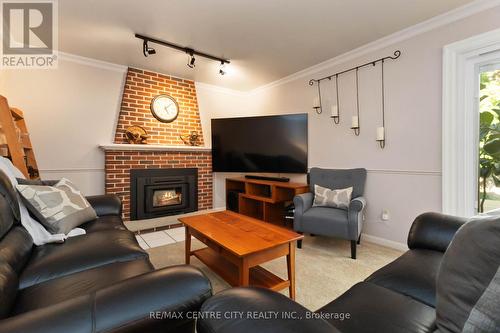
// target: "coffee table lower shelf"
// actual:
[[258, 276]]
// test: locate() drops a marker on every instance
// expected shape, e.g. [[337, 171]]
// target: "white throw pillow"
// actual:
[[332, 198]]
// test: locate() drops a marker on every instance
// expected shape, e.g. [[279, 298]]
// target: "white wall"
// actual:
[[405, 177], [69, 111]]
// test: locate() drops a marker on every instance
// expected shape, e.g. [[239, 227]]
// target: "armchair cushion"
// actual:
[[326, 221]]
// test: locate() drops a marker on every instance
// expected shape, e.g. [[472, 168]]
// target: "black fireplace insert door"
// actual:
[[163, 192]]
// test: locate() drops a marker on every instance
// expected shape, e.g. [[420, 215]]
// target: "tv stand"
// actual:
[[275, 179], [262, 199]]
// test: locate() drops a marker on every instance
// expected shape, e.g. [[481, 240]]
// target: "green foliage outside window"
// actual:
[[489, 138]]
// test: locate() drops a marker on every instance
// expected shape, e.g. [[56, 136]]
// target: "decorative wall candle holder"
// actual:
[[381, 130], [335, 108], [335, 114], [355, 119], [381, 137], [355, 125], [317, 105]]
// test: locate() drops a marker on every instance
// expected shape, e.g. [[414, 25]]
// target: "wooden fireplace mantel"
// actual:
[[146, 147]]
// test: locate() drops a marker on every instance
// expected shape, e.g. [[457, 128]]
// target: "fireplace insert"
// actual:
[[162, 192]]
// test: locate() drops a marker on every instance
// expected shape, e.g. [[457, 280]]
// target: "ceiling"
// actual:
[[265, 40]]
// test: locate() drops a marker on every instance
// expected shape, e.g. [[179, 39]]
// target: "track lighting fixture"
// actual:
[[191, 59], [222, 68], [146, 50]]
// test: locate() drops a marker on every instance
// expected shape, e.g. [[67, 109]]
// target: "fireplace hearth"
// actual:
[[163, 192]]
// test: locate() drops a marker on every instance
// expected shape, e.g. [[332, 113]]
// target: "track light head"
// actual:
[[192, 59], [146, 50], [222, 68]]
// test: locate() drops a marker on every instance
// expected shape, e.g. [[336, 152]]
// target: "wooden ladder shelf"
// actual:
[[15, 142]]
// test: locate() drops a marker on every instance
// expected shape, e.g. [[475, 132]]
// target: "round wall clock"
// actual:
[[164, 108]]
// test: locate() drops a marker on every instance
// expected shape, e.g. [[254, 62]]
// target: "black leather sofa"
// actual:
[[400, 297], [98, 282]]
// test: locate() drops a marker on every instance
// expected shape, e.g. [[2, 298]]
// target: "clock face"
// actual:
[[164, 108]]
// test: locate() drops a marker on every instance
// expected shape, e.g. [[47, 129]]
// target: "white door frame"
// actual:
[[461, 62]]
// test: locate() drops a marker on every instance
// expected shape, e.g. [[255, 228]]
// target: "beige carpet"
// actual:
[[324, 269]]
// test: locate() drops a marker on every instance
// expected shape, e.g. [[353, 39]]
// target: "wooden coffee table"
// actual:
[[238, 244]]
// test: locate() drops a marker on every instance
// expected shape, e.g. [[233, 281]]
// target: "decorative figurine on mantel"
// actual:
[[136, 135], [192, 139]]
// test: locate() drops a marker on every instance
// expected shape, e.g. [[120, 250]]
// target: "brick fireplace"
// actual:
[[119, 163], [165, 149]]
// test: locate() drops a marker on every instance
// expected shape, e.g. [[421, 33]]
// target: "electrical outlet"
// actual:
[[385, 215]]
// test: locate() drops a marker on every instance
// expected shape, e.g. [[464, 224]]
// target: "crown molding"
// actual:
[[399, 36], [91, 62]]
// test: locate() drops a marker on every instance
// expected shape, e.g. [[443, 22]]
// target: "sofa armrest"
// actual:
[[141, 303], [355, 216], [107, 204], [301, 202], [248, 310], [433, 231]]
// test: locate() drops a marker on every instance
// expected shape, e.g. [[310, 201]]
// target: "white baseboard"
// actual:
[[384, 242], [173, 219]]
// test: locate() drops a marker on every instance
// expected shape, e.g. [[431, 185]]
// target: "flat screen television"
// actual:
[[271, 144]]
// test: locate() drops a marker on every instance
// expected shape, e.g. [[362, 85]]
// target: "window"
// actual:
[[489, 139], [462, 64]]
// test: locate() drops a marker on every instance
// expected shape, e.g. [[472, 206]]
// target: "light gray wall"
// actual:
[[405, 177]]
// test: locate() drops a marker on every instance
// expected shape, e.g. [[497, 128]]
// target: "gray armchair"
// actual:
[[328, 221]]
